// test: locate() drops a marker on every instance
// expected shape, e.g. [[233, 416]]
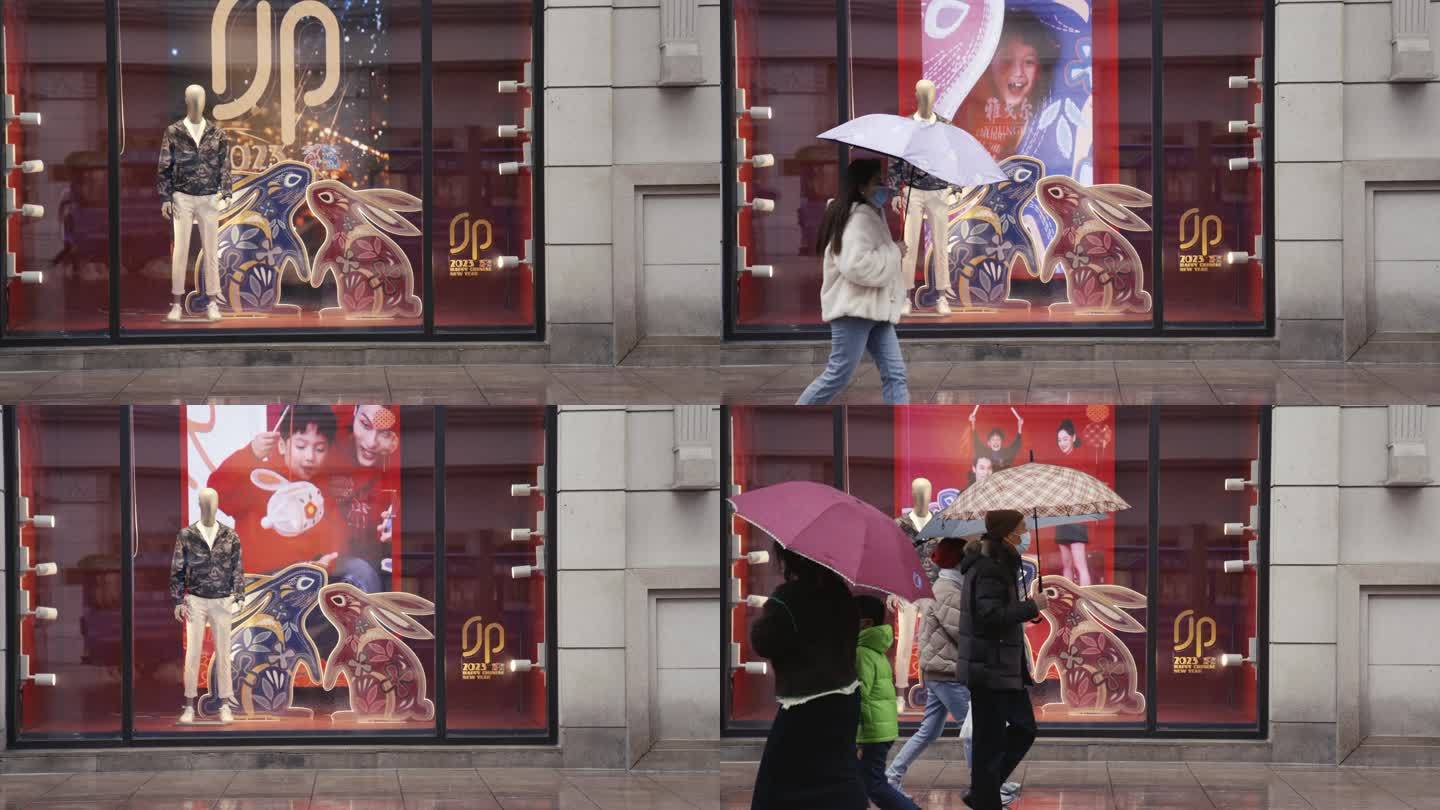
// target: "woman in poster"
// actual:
[[1000, 454], [1073, 539], [1014, 89]]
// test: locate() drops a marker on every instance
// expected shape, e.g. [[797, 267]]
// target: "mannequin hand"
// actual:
[[897, 203], [327, 560], [264, 444], [182, 613], [167, 210]]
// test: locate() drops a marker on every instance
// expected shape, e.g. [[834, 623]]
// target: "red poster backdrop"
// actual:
[[1087, 670]]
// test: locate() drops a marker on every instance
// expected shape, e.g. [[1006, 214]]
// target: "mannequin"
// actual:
[[924, 198], [194, 180], [913, 522], [207, 581]]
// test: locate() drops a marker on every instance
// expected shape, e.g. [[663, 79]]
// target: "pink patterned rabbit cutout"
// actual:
[[1103, 272], [386, 678], [373, 278], [1097, 672]]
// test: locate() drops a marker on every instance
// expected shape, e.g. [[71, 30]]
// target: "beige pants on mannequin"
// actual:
[[189, 211], [931, 206], [215, 613]]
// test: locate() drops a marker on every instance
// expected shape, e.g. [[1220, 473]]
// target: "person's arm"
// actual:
[[1008, 454], [165, 174], [865, 259], [237, 570], [177, 570], [993, 609], [776, 629], [225, 179], [866, 673]]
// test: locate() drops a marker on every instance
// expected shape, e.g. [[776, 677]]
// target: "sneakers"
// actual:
[[226, 716], [1010, 788], [906, 309], [173, 315], [942, 307], [212, 312], [1009, 792], [188, 716]]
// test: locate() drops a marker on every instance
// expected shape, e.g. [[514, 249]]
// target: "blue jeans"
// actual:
[[947, 698], [850, 338]]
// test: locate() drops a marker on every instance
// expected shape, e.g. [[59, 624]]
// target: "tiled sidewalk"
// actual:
[[1163, 786], [936, 785], [1132, 383], [483, 789]]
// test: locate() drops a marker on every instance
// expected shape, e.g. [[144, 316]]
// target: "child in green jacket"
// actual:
[[879, 711]]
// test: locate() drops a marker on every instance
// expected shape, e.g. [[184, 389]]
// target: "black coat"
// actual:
[[992, 620], [810, 636]]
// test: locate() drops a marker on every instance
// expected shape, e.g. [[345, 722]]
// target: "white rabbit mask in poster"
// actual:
[[294, 508]]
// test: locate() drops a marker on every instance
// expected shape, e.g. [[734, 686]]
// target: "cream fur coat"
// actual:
[[865, 279]]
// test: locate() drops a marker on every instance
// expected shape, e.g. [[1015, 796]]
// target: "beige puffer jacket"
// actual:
[[939, 652]]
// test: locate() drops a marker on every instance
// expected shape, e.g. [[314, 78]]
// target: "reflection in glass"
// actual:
[[55, 67], [70, 471]]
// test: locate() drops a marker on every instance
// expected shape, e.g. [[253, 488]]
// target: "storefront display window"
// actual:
[[1118, 585], [295, 168], [285, 572], [1063, 97]]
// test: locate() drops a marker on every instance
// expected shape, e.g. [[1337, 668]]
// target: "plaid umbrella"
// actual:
[[1041, 490]]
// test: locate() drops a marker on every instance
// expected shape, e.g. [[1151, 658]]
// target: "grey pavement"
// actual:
[[1235, 382]]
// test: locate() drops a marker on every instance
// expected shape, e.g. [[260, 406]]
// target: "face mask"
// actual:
[[881, 196], [1024, 543]]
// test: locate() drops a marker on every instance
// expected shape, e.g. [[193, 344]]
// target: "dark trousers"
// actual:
[[872, 774], [809, 759], [1003, 724]]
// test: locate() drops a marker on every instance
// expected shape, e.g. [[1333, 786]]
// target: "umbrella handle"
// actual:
[[1039, 576]]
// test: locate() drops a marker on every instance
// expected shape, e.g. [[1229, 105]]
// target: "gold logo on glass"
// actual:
[[250, 99], [465, 238], [1199, 634], [1199, 235], [478, 637]]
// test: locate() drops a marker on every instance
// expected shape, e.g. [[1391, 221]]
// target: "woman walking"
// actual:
[[946, 694], [809, 630], [863, 291], [992, 657]]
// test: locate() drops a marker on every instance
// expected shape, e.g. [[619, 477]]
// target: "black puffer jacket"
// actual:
[[810, 635], [992, 619]]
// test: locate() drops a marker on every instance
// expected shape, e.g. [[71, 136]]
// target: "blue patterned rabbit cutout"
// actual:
[[990, 240], [269, 643], [258, 244]]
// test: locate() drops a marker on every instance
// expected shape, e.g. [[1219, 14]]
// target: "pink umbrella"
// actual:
[[839, 531]]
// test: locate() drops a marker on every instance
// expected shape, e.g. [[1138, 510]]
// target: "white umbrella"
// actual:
[[941, 150]]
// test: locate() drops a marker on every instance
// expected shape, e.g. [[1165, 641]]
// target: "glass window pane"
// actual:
[[1046, 90], [320, 109], [481, 215], [69, 469], [55, 66], [334, 511], [1211, 209], [1203, 611], [493, 617], [942, 446], [785, 59], [769, 445]]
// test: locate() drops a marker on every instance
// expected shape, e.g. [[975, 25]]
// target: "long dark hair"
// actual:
[[1068, 426], [837, 214], [804, 571]]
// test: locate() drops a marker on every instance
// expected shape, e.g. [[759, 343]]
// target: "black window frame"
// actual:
[[1156, 328], [438, 735], [428, 333], [1153, 730]]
